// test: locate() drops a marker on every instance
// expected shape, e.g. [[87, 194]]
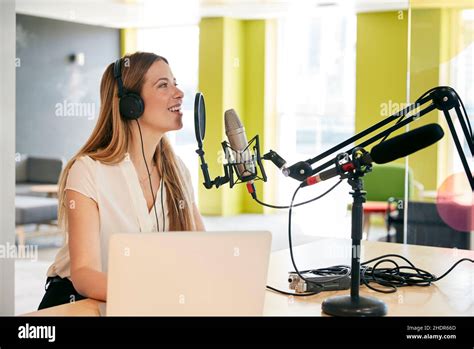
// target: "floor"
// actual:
[[30, 273]]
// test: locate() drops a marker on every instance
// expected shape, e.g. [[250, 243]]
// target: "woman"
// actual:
[[112, 184]]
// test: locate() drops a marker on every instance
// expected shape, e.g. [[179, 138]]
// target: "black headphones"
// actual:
[[131, 105]]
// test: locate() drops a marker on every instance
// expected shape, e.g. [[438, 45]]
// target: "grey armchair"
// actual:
[[36, 170], [33, 207]]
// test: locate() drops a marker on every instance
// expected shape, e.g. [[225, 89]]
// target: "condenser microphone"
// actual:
[[235, 132]]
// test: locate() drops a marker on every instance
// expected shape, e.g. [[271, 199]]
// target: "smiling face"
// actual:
[[162, 99]]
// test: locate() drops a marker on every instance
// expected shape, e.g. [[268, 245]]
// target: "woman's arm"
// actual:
[[198, 219], [84, 246]]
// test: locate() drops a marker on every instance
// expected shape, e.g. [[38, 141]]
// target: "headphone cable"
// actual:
[[149, 179], [162, 184]]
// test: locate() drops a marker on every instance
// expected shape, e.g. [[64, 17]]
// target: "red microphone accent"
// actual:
[[312, 180], [250, 187], [348, 167]]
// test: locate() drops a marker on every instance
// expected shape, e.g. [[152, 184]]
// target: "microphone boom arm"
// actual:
[[443, 98]]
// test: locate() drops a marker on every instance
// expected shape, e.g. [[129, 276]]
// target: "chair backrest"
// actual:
[[38, 170], [426, 227], [387, 181], [21, 173]]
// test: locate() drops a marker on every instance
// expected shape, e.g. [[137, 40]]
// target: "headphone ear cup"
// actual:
[[131, 106]]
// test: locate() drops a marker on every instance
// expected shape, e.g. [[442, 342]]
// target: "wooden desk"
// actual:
[[51, 190], [451, 296]]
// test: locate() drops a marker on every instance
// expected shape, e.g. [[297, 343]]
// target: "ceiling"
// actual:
[[158, 13]]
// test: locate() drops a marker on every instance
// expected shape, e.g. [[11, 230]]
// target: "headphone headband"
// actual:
[[118, 76]]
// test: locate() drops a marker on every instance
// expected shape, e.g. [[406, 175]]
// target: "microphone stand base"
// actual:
[[349, 306]]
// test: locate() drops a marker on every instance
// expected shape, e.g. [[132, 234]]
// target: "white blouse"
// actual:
[[122, 205]]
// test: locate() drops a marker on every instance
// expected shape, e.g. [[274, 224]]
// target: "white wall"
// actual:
[[55, 95], [7, 152]]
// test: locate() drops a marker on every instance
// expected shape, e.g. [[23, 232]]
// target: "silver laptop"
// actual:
[[188, 273]]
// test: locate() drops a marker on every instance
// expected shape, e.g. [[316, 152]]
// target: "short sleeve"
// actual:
[[186, 175], [81, 177]]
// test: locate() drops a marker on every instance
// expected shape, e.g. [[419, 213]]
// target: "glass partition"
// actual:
[[439, 211]]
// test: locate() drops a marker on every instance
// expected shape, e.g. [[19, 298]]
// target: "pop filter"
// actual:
[[199, 118]]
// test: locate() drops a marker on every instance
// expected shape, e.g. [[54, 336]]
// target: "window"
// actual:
[[316, 107]]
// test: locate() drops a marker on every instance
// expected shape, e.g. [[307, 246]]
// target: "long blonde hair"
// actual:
[[110, 138]]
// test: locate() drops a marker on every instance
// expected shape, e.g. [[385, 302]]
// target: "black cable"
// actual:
[[295, 205], [416, 102], [291, 250], [282, 207], [162, 207], [426, 93], [460, 102], [454, 266], [465, 113], [149, 176], [291, 293], [391, 278], [342, 270], [465, 116], [398, 276], [396, 123], [291, 245], [162, 184], [289, 232]]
